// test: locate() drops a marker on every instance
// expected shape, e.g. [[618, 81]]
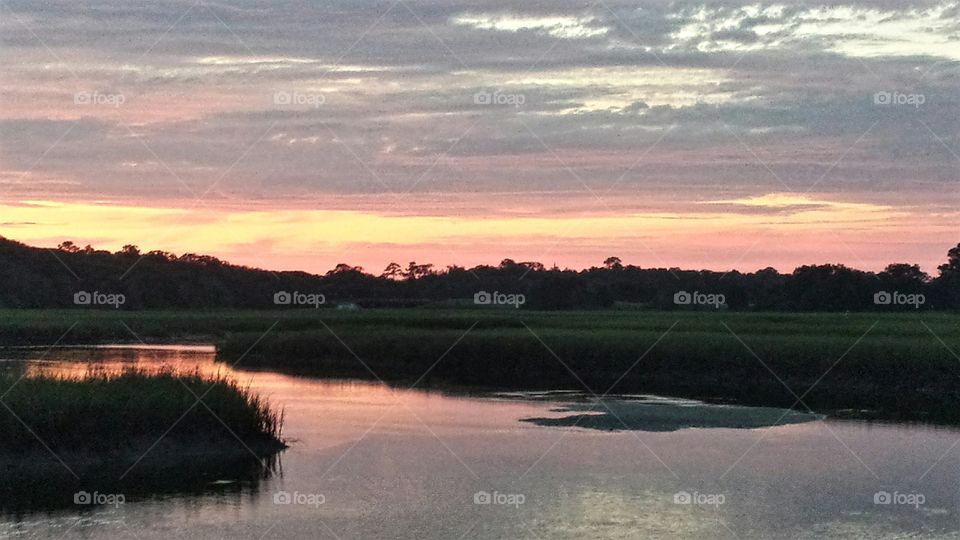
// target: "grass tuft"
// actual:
[[105, 412]]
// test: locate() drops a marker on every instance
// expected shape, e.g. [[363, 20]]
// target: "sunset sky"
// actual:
[[296, 135]]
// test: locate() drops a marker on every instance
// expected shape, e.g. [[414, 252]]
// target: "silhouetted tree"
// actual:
[[903, 277], [417, 271], [613, 263], [129, 250], [392, 271], [947, 285], [342, 268], [533, 266], [953, 262], [68, 246], [830, 287], [156, 254]]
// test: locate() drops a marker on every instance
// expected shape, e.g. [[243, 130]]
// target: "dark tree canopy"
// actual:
[[45, 278]]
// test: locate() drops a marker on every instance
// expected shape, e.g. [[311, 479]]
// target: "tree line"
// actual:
[[32, 277]]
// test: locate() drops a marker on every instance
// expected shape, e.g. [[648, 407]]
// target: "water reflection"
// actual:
[[77, 361], [46, 484], [403, 464]]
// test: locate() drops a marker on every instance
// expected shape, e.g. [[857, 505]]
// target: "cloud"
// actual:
[[792, 203], [558, 26], [847, 29], [679, 97]]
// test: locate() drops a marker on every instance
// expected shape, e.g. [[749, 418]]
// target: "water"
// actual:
[[367, 461]]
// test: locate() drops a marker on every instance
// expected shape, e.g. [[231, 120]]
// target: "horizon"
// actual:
[[731, 136], [472, 244], [932, 272]]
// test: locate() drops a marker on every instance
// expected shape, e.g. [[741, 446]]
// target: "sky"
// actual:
[[297, 135]]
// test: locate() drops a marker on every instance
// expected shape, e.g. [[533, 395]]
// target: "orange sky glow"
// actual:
[[294, 136], [774, 230]]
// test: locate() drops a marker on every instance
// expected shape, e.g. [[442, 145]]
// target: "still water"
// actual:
[[370, 461]]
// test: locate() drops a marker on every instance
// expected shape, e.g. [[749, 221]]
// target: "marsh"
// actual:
[[368, 460]]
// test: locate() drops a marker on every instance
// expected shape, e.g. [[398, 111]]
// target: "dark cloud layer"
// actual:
[[291, 98]]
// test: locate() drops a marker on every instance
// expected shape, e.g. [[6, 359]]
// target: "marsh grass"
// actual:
[[889, 365], [105, 413], [893, 363]]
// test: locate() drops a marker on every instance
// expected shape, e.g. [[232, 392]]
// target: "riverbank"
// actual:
[[898, 366], [867, 365]]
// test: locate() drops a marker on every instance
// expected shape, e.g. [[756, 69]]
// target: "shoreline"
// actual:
[[895, 366]]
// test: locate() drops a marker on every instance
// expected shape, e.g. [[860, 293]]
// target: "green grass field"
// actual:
[[42, 327], [895, 365]]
